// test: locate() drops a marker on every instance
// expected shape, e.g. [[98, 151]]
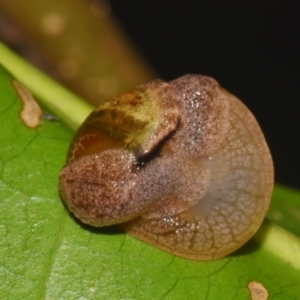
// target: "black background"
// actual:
[[252, 49]]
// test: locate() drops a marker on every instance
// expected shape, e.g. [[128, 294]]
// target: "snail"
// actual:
[[182, 165]]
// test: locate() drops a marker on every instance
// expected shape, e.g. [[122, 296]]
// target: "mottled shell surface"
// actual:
[[181, 165]]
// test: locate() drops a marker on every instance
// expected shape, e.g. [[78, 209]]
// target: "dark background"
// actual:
[[252, 49]]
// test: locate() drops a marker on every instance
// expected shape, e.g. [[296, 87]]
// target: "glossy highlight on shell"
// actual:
[[182, 165]]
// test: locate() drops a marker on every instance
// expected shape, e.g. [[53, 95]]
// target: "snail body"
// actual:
[[181, 165]]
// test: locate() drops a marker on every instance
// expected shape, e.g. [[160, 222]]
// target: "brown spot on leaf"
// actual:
[[31, 112], [257, 291]]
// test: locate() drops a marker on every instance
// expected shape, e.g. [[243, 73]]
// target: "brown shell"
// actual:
[[181, 165]]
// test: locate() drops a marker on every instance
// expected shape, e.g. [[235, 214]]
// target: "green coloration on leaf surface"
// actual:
[[285, 209], [47, 254]]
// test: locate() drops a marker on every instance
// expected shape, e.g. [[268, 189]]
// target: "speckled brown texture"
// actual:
[[204, 112], [234, 204], [198, 185], [109, 188]]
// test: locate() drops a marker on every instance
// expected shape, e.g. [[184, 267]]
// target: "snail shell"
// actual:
[[181, 165]]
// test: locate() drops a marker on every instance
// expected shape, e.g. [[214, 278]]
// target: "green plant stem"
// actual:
[[71, 109], [280, 242]]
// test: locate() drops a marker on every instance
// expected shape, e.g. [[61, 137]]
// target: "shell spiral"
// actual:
[[181, 165]]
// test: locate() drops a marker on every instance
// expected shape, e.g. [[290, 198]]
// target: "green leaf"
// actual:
[[48, 254]]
